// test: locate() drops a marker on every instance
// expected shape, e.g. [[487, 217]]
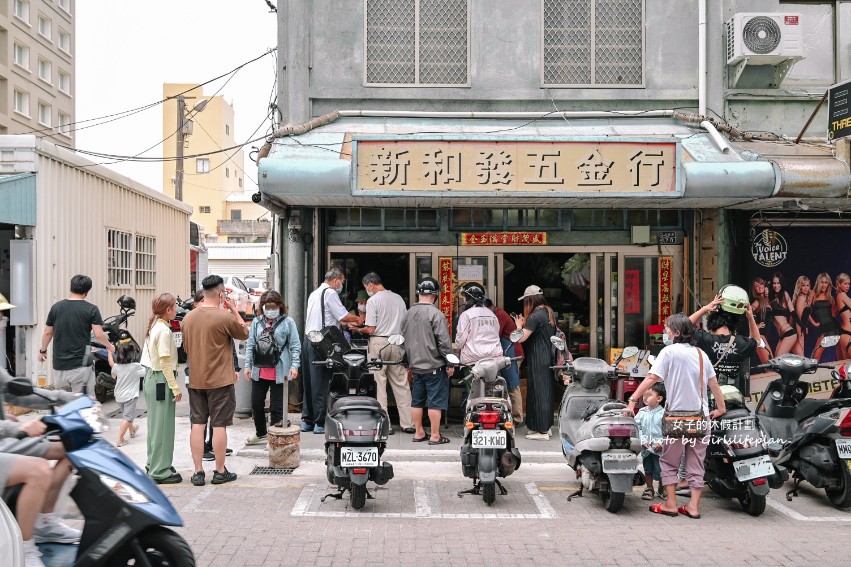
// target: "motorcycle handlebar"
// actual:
[[825, 366]]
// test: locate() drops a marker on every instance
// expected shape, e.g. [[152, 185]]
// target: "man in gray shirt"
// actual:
[[385, 311], [427, 342]]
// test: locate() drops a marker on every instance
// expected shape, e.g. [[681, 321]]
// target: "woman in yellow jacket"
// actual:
[[162, 391]]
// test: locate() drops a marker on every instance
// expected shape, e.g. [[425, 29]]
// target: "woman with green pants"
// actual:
[[162, 392]]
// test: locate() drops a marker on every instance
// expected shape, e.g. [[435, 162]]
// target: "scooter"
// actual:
[[488, 449], [356, 426], [807, 436], [112, 327], [843, 389], [600, 442], [183, 308], [125, 513], [737, 461]]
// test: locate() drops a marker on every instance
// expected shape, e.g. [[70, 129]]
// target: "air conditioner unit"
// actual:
[[764, 38]]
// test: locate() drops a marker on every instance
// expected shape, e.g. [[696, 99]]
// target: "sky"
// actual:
[[124, 52]]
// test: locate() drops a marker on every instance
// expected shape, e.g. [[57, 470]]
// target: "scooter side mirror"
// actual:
[[20, 387], [396, 340], [829, 341], [558, 342], [629, 352], [314, 337], [516, 335], [452, 359]]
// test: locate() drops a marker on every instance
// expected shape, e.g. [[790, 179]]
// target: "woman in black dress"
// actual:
[[538, 326], [824, 307]]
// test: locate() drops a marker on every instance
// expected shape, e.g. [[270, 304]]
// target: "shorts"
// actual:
[[78, 380], [128, 410], [652, 468], [217, 405], [7, 461], [28, 446], [431, 390]]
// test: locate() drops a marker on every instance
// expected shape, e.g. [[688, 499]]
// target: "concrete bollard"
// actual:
[[284, 450]]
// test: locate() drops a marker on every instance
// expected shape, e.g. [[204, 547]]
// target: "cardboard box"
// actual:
[[9, 409]]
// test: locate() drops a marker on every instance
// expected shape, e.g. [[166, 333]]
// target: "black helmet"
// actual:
[[428, 286], [474, 292], [127, 302]]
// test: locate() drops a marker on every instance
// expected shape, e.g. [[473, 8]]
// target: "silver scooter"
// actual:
[[600, 442]]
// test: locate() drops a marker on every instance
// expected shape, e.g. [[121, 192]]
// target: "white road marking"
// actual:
[[795, 515], [541, 501], [421, 500], [198, 500]]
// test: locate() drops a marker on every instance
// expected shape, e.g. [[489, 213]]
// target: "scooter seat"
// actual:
[[356, 403], [809, 407], [737, 413]]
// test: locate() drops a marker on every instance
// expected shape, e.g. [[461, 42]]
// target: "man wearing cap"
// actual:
[[427, 343], [71, 322]]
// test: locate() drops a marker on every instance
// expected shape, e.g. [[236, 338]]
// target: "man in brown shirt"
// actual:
[[207, 335]]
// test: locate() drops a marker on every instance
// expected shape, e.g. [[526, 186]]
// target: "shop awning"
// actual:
[[342, 164], [17, 199]]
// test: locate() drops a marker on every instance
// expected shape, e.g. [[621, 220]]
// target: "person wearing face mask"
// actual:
[[324, 307], [356, 332], [265, 377]]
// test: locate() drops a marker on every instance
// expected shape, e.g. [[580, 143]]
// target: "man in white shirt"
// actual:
[[385, 312], [316, 379]]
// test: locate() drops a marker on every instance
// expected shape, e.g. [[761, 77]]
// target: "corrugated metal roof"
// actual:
[[233, 251]]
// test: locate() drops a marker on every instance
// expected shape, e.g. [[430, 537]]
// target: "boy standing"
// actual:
[[649, 421]]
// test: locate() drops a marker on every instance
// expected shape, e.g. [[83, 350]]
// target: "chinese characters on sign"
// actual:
[[665, 263], [445, 277], [503, 238], [453, 165], [632, 292]]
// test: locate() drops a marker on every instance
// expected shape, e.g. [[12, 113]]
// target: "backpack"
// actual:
[[267, 353]]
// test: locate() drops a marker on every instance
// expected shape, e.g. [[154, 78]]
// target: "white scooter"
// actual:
[[600, 442], [11, 545]]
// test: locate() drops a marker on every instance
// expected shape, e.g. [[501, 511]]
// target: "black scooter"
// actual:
[[737, 461], [812, 438], [356, 426], [115, 328], [125, 512]]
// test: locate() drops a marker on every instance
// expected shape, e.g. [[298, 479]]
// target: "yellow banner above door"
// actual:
[[503, 239]]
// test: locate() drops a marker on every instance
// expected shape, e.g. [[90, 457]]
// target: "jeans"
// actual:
[[511, 373]]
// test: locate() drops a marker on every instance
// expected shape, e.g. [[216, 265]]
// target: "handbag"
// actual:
[[333, 344], [687, 424]]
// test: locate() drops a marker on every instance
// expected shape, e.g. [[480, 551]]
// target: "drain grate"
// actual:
[[270, 470]]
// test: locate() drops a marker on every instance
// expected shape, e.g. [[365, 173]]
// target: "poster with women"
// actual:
[[799, 283]]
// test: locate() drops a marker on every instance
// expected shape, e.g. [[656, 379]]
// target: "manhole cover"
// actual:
[[270, 470]]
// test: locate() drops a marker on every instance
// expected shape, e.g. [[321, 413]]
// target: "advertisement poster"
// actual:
[[798, 283]]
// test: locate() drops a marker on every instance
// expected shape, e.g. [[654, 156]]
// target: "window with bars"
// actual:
[[146, 261], [592, 43], [119, 258], [417, 42]]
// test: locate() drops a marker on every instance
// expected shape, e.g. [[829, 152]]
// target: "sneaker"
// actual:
[[50, 529], [32, 556], [228, 451], [209, 456], [198, 478], [305, 426], [173, 478], [223, 477], [257, 440], [535, 435], [319, 430]]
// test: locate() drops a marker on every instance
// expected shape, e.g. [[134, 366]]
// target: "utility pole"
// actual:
[[181, 140]]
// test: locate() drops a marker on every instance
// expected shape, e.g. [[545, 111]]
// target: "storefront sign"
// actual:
[[632, 292], [562, 167], [503, 239], [667, 237], [769, 248], [665, 264], [447, 288]]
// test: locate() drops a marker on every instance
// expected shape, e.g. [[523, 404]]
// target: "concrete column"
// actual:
[[293, 269], [294, 60]]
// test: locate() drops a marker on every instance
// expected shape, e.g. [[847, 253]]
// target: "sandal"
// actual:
[[443, 440], [134, 431], [121, 443], [255, 440], [682, 510], [647, 494], [657, 509], [420, 439]]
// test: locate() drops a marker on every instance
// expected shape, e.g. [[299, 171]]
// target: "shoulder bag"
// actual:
[[687, 424]]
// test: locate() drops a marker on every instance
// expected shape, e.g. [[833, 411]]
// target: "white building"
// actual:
[[61, 215], [242, 260]]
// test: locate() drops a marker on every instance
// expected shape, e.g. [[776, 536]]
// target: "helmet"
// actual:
[[474, 292], [428, 286], [734, 299], [127, 302]]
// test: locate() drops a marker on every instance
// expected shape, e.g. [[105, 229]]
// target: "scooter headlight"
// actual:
[[95, 418], [124, 491]]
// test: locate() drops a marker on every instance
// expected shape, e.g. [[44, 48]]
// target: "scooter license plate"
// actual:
[[358, 457], [178, 339], [483, 439], [843, 447], [620, 463], [749, 469]]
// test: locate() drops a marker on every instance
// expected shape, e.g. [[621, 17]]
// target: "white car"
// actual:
[[256, 287], [236, 288]]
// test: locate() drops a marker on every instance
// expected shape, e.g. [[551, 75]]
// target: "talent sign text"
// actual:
[[665, 291], [568, 167]]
